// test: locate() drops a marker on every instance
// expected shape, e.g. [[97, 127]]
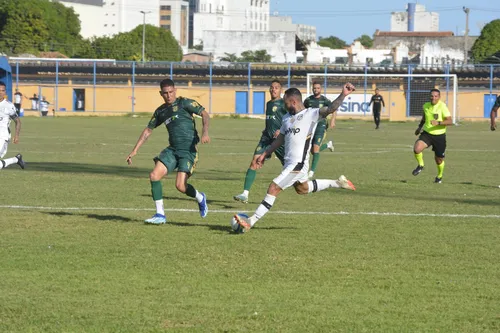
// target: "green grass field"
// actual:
[[401, 254]]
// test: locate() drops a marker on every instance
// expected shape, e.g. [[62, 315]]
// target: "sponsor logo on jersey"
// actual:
[[292, 130], [299, 118], [270, 117], [175, 108], [169, 120], [275, 108]]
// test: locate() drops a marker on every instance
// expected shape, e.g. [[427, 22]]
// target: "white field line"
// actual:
[[225, 211]]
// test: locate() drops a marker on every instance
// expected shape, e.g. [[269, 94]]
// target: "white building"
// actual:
[[323, 55], [110, 17], [433, 54], [280, 45], [174, 16], [306, 33], [415, 19], [230, 15]]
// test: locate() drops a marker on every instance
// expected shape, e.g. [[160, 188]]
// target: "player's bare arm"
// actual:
[[18, 130], [346, 90], [204, 132], [493, 115], [275, 135], [142, 138], [382, 100], [275, 145], [333, 119], [447, 121], [422, 122]]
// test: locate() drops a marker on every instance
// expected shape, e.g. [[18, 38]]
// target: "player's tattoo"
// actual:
[[325, 111]]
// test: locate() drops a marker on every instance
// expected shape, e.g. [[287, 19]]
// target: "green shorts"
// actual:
[[264, 143], [320, 133], [182, 160]]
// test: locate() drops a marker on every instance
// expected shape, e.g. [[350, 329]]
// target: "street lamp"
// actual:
[[466, 35], [143, 32]]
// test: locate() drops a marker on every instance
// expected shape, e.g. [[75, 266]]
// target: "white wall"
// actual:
[[433, 54], [306, 32], [320, 54], [281, 23], [176, 20], [115, 16], [360, 54], [423, 21], [280, 45]]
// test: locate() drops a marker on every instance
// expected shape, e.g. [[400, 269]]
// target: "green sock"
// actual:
[[156, 190], [420, 159], [315, 161], [323, 147], [440, 170], [249, 179], [190, 191]]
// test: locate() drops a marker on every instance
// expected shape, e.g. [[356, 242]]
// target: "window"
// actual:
[[210, 7], [251, 25], [251, 2], [166, 26], [165, 17], [165, 8]]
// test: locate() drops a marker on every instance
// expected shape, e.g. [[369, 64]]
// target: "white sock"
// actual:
[[7, 162], [245, 193], [199, 197], [159, 207], [263, 208], [317, 185]]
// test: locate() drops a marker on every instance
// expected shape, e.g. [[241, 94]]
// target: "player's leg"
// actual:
[[252, 170], [319, 135], [376, 115], [439, 147], [18, 159], [163, 163], [422, 143], [187, 164]]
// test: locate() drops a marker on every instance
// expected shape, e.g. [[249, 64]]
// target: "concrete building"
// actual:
[[280, 45], [230, 15], [306, 33], [193, 8], [415, 18], [174, 16], [107, 18]]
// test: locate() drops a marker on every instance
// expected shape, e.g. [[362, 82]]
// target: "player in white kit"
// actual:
[[8, 113], [296, 132]]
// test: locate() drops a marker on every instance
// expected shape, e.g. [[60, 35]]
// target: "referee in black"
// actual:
[[377, 101]]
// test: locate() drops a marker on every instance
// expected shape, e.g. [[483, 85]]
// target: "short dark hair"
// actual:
[[167, 83], [316, 82], [377, 89], [3, 84], [276, 81], [293, 92], [435, 90]]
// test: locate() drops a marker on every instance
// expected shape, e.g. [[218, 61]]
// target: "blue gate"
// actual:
[[259, 102], [242, 102], [489, 100]]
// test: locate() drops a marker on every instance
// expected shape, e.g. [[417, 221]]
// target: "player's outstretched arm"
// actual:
[[346, 90], [278, 142], [18, 130], [204, 133], [142, 138]]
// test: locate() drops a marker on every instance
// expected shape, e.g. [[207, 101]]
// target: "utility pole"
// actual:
[[466, 35], [143, 33]]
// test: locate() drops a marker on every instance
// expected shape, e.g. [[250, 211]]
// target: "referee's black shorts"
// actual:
[[438, 142]]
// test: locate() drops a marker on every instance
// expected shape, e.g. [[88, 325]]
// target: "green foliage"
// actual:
[[229, 57], [365, 40], [248, 56], [488, 42], [332, 42], [198, 47]]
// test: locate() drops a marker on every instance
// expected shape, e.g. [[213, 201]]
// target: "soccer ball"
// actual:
[[235, 226]]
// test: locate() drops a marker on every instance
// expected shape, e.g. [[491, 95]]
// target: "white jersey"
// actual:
[[298, 130], [7, 112], [18, 98]]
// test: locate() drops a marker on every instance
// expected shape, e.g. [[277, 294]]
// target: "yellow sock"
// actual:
[[420, 159], [440, 170]]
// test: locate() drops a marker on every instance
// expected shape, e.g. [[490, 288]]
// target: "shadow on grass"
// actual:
[[106, 217], [123, 171], [219, 203]]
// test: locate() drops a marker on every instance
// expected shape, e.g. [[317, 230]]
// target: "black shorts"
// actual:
[[438, 142], [18, 108]]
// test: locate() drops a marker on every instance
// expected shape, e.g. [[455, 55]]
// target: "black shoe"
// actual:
[[417, 170], [376, 127], [20, 161], [438, 180]]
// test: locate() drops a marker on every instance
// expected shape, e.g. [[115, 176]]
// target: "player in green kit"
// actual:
[[177, 113], [317, 101], [275, 110]]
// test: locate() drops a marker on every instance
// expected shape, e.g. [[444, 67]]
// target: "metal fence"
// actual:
[[95, 77]]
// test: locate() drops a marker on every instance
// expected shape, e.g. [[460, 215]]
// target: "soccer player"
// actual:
[[377, 101], [275, 110], [18, 98], [296, 133], [435, 118], [493, 114], [8, 113], [181, 154], [316, 100]]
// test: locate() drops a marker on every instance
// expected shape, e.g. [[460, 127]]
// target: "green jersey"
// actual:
[[179, 120], [275, 110], [317, 103]]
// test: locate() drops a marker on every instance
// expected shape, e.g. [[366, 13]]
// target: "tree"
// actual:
[[488, 42], [332, 42], [365, 40], [229, 57], [199, 47], [255, 56]]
